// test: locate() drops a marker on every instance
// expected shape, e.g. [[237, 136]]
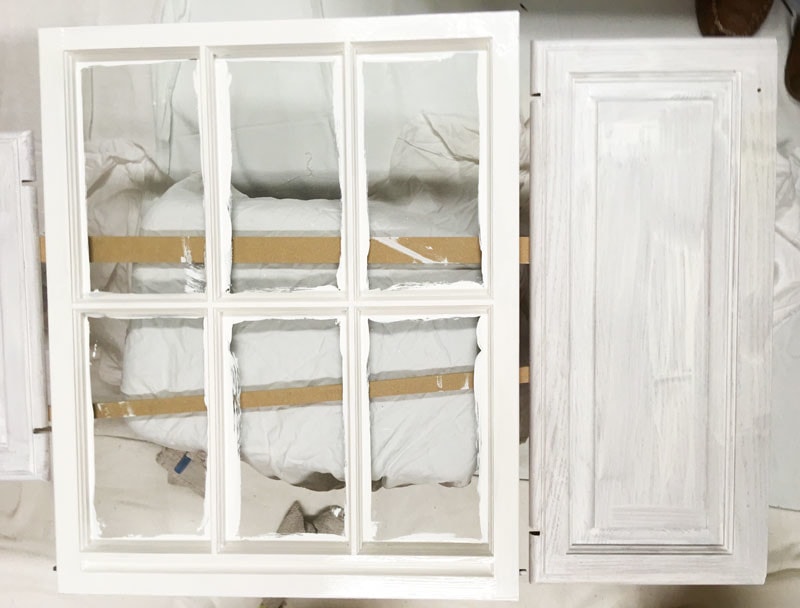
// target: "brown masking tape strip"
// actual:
[[285, 250], [146, 249], [304, 395], [524, 250], [150, 407], [421, 384], [424, 250]]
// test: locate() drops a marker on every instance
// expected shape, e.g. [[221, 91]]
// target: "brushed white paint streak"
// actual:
[[649, 445], [647, 284]]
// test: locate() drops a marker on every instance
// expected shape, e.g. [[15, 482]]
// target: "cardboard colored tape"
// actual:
[[304, 395], [286, 250]]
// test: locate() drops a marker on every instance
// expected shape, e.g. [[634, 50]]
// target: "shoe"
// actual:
[[731, 17], [791, 74]]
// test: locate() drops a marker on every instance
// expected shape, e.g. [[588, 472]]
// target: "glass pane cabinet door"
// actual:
[[283, 329]]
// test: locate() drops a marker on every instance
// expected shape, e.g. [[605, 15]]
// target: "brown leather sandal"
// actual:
[[731, 17]]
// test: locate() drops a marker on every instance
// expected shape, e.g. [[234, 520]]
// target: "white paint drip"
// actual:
[[481, 388], [338, 126], [465, 285], [225, 167], [186, 258], [410, 57], [369, 527], [483, 161], [195, 273], [233, 503]]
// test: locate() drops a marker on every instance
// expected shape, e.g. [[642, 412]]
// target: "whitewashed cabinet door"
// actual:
[[652, 220], [24, 454]]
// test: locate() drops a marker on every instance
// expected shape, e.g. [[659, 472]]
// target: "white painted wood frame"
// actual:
[[652, 247], [23, 408], [487, 569]]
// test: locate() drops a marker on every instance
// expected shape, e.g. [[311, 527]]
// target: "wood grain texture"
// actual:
[[652, 209], [23, 455]]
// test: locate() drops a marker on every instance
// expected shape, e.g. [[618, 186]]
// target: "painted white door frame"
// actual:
[[425, 570]]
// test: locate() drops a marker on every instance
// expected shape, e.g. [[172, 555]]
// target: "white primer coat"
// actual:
[[653, 218], [23, 454]]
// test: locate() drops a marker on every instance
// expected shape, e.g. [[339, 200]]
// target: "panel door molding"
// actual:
[[23, 454], [652, 212]]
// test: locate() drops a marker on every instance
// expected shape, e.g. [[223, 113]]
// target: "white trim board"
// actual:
[[23, 454]]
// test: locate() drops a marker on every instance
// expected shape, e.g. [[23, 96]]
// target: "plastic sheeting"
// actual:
[[785, 414], [424, 439]]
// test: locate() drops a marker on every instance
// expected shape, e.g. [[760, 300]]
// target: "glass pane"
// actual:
[[291, 429], [285, 174], [422, 144], [150, 431], [424, 430], [142, 148]]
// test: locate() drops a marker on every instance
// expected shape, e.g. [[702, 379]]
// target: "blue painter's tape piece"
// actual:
[[182, 464]]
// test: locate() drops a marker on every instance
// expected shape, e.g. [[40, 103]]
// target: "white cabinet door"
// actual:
[[362, 361], [23, 454], [652, 219]]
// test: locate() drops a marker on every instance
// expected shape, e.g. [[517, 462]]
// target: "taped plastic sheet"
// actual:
[[183, 514], [434, 167], [300, 438], [443, 430], [293, 170], [285, 355], [180, 211], [120, 173], [311, 180]]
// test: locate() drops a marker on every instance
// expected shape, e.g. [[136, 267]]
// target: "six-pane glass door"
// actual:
[[400, 185]]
